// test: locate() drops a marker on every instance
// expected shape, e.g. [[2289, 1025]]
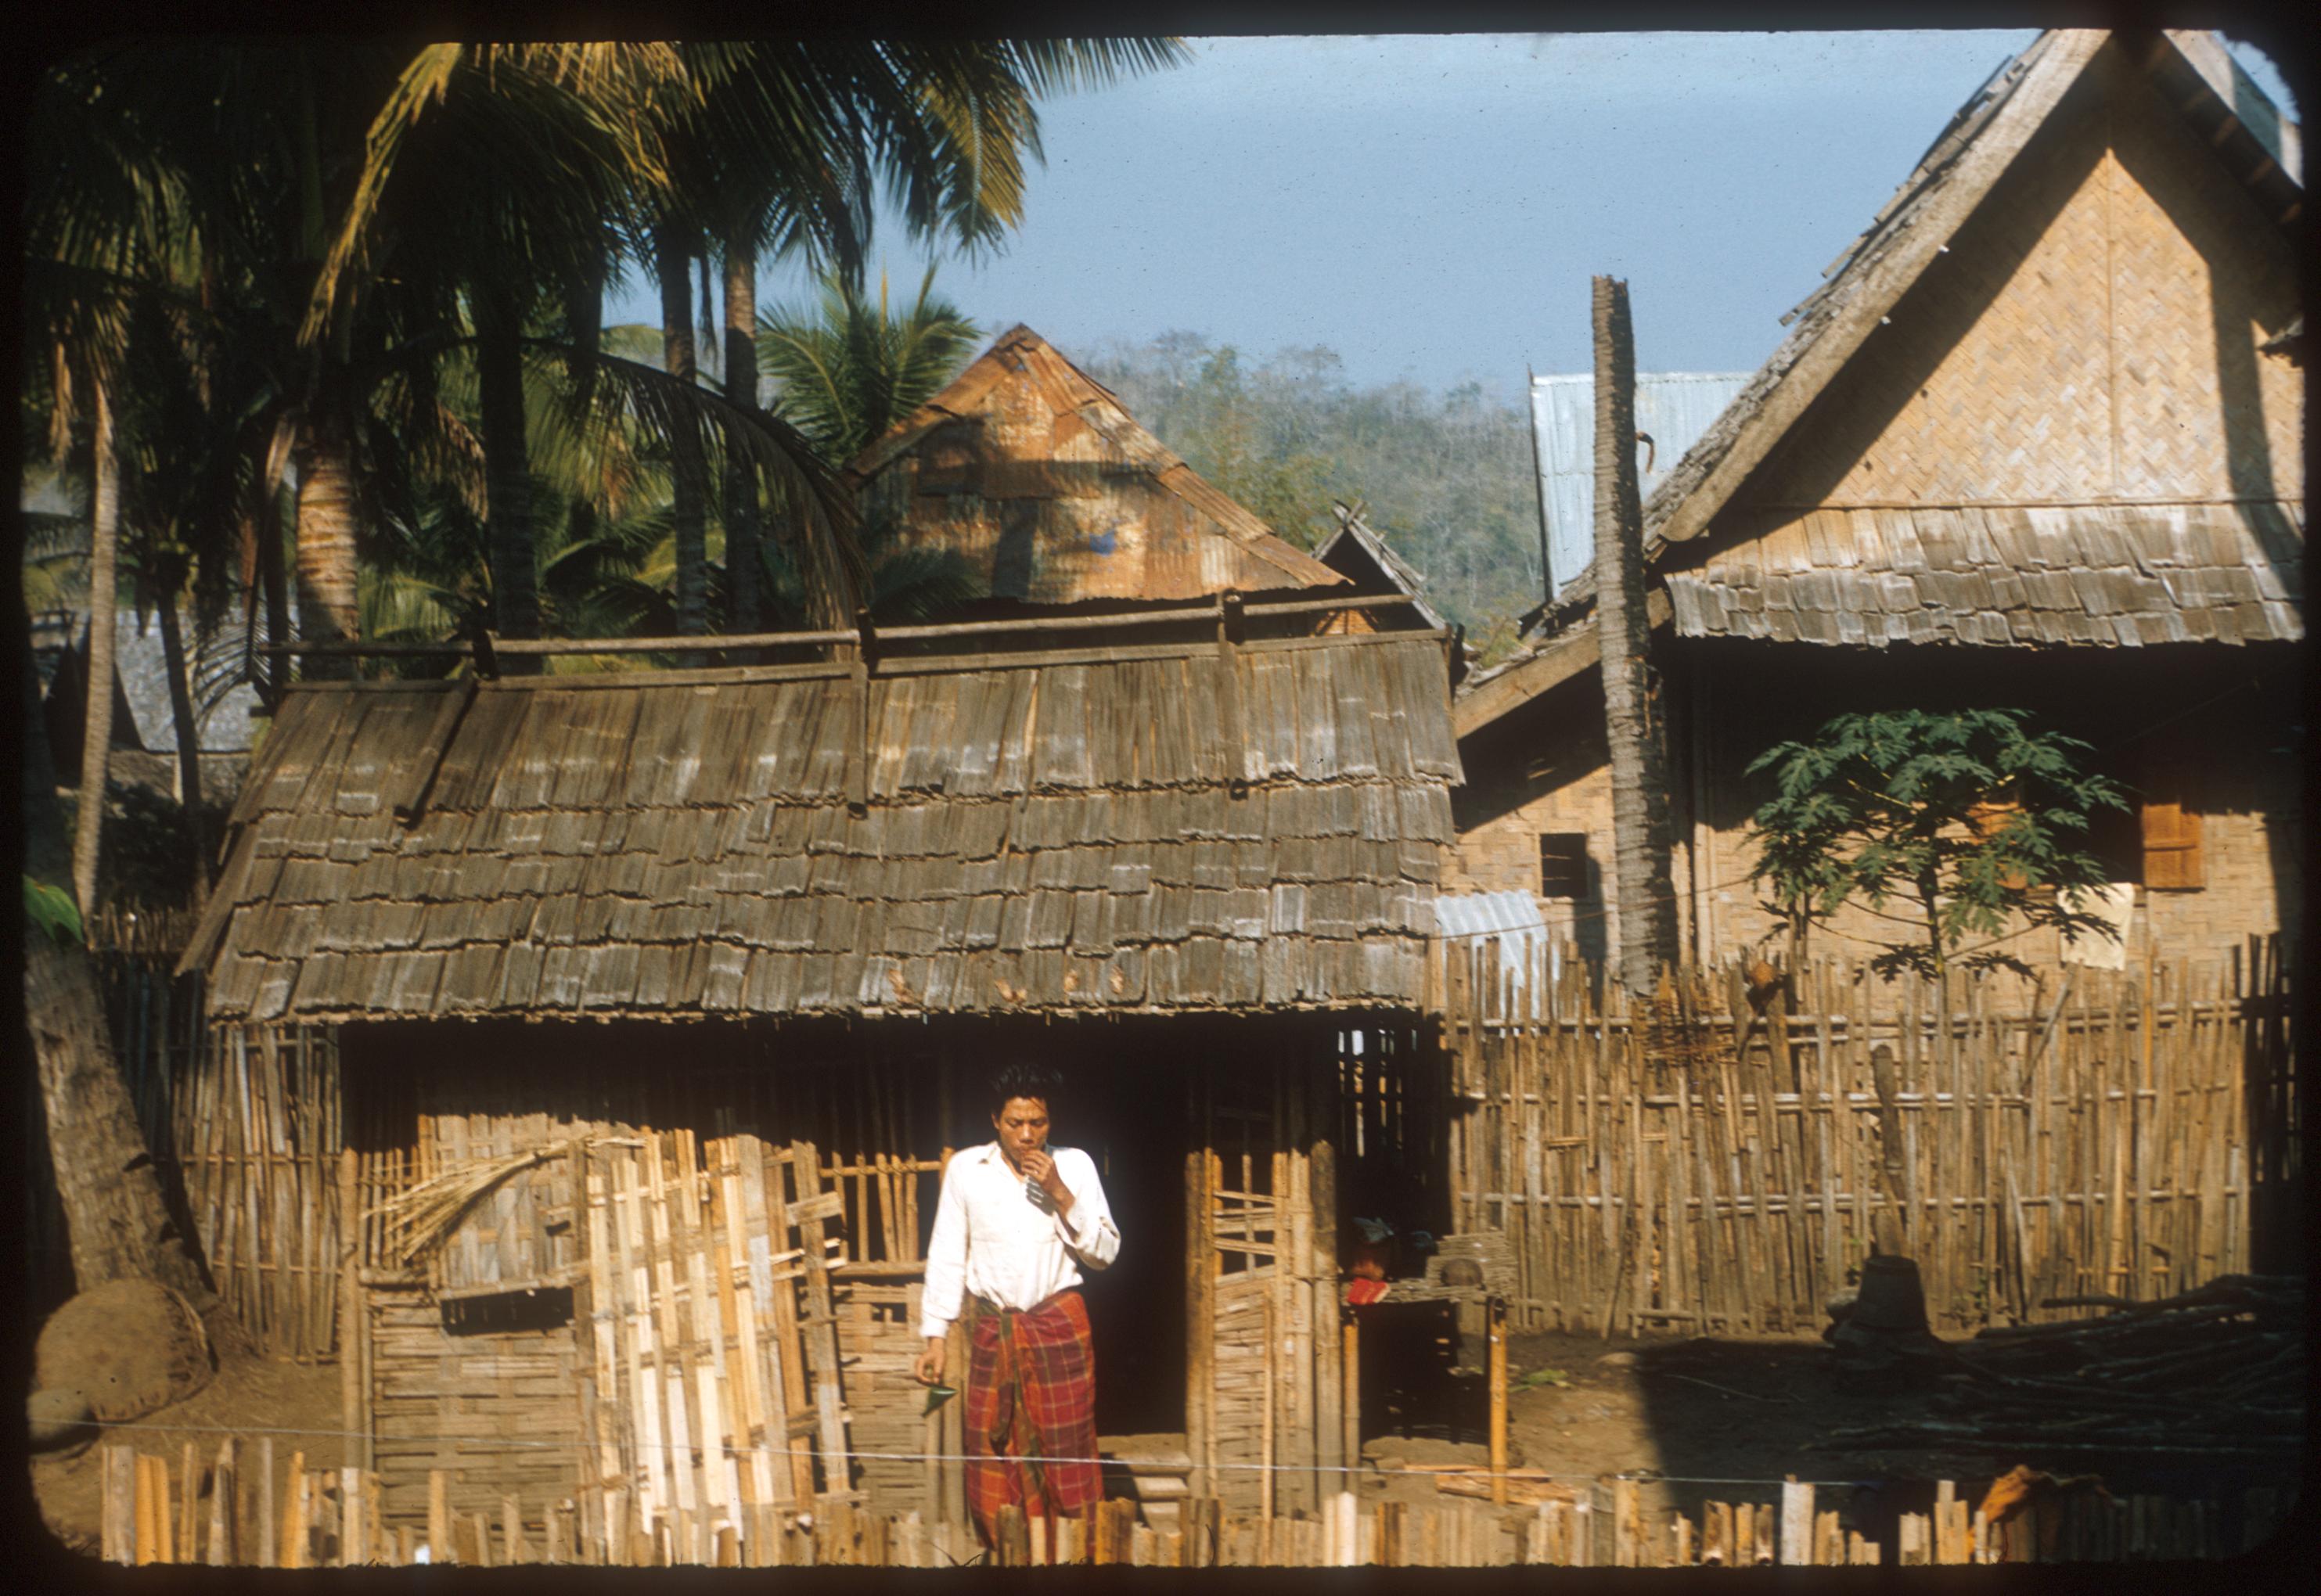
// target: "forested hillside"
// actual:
[[1446, 476]]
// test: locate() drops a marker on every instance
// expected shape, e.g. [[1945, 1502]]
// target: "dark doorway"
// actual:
[[1125, 1109]]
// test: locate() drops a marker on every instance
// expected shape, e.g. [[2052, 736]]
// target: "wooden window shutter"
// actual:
[[1563, 865], [1988, 819], [2171, 849]]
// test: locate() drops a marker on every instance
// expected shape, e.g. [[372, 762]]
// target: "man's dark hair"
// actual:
[[1024, 1078]]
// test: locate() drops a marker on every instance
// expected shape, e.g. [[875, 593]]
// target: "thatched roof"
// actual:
[[1032, 473], [1037, 835]]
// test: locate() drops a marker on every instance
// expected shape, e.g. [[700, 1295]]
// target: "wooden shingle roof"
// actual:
[[1033, 473], [2116, 576], [1037, 836]]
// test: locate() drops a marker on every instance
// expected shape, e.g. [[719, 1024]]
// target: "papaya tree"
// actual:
[[1951, 825]]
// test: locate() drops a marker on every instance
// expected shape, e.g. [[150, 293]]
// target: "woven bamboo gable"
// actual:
[[2059, 430], [1041, 836], [1033, 473]]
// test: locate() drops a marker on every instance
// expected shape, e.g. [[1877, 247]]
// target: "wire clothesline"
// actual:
[[1640, 1476]]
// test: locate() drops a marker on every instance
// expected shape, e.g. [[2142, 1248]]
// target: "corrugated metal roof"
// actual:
[[1047, 836], [1485, 914], [1529, 959], [1674, 407]]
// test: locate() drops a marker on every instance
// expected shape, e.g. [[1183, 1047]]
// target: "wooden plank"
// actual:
[[150, 1509], [117, 1519], [821, 1326], [1627, 1525], [1497, 1333], [268, 1538], [1795, 1544], [354, 1526], [439, 1516]]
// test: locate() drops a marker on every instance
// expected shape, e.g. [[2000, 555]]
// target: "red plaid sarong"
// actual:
[[1030, 1393]]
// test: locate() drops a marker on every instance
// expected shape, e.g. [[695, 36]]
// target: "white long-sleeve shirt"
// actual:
[[993, 1240]]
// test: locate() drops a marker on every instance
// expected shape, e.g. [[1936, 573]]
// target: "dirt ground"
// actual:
[[1720, 1420], [1705, 1419], [244, 1394]]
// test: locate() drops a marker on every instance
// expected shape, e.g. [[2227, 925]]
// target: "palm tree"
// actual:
[[851, 368], [1638, 736], [784, 149]]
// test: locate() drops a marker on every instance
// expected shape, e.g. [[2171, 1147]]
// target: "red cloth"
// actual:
[[1030, 1393], [1361, 1294]]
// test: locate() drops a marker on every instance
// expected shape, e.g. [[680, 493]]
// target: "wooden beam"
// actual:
[[1569, 653]]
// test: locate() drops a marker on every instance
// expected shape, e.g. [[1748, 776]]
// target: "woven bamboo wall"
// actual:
[[2090, 334], [497, 1412], [1672, 1168], [663, 1236]]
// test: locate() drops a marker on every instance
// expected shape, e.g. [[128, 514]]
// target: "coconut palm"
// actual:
[[784, 149], [852, 368]]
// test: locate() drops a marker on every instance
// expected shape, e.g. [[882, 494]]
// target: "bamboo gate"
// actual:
[[1708, 1164]]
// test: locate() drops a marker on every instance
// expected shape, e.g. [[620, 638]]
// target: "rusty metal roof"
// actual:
[[1032, 473], [1037, 836]]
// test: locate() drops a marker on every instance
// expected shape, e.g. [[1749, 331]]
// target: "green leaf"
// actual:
[[52, 910]]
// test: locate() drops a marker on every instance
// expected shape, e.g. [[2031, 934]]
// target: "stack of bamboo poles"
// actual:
[[714, 1352], [2111, 1134], [235, 1508]]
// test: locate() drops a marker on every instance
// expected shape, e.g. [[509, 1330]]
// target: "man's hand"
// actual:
[[1042, 1168], [930, 1362]]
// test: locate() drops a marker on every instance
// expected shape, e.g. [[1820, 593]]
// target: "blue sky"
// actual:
[[1433, 206]]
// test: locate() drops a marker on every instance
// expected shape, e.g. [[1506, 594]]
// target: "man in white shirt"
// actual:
[[1016, 1223]]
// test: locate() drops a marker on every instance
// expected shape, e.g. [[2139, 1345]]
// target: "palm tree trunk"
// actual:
[[116, 1221], [672, 255], [327, 601], [507, 475], [269, 512], [189, 748], [96, 735], [1645, 886], [741, 524]]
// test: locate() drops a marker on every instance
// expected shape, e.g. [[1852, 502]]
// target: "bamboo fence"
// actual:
[[1703, 1162], [245, 1129], [243, 1508]]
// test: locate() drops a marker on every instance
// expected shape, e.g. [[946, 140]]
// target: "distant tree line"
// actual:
[[1446, 476]]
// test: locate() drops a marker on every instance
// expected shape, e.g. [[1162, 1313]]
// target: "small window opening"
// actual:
[[500, 1313], [1563, 865]]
